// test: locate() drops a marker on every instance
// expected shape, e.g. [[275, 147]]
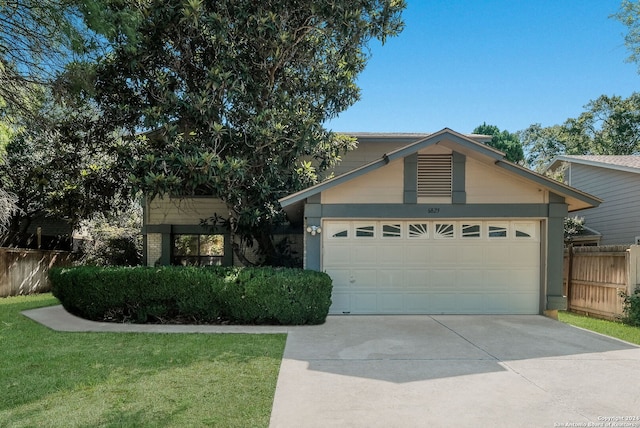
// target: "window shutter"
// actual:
[[434, 175]]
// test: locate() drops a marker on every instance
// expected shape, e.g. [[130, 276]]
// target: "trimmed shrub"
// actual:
[[194, 295], [136, 294], [631, 308], [276, 296]]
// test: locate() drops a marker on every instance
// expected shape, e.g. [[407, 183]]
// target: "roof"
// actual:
[[409, 136], [585, 234], [466, 145], [627, 163]]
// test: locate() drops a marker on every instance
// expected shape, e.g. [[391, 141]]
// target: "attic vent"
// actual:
[[434, 175]]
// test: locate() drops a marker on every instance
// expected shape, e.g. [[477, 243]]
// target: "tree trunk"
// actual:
[[237, 249], [267, 248]]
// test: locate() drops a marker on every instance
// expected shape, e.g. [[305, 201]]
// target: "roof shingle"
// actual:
[[630, 161]]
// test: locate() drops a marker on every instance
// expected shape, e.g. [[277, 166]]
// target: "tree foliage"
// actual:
[[38, 38], [573, 226], [113, 238], [629, 15], [64, 164], [8, 207], [233, 96], [504, 141], [542, 144], [610, 125]]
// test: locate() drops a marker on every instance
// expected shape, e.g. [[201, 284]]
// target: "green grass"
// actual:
[[56, 379], [610, 328]]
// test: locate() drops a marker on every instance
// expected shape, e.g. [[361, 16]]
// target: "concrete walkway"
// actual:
[[56, 318], [435, 371]]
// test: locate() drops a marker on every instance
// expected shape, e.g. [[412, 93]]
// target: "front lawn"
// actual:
[[56, 379], [610, 328]]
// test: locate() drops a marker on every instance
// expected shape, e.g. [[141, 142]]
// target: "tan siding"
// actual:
[[435, 200], [383, 186], [435, 150], [486, 185], [183, 211], [364, 154]]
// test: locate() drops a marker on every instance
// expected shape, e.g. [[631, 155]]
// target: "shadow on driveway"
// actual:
[[453, 370], [431, 347]]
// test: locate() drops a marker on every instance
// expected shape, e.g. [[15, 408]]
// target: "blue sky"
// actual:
[[510, 63]]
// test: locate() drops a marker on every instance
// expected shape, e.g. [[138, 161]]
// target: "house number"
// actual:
[[433, 210]]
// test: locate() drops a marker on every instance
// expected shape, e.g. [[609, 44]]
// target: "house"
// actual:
[[415, 223], [614, 179], [40, 231]]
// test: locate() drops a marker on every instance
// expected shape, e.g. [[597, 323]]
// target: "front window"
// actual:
[[198, 250]]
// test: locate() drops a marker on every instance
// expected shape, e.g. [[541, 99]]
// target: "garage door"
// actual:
[[433, 267]]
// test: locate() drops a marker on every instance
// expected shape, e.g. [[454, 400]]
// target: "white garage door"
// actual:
[[433, 267]]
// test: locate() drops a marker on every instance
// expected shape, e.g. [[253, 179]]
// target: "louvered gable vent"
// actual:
[[434, 175]]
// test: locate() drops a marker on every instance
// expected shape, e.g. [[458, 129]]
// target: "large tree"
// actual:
[[8, 207], [64, 164], [542, 144], [234, 95], [610, 125], [629, 15], [38, 38], [504, 141]]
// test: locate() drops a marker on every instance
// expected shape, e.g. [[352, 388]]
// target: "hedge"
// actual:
[[194, 295], [631, 308]]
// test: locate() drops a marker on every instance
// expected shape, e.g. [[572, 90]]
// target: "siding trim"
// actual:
[[459, 193], [411, 179], [555, 252], [434, 211]]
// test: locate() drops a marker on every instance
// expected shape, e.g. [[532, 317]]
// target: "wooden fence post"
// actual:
[[633, 281], [569, 275]]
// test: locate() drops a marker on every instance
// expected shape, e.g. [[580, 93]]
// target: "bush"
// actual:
[[113, 247], [113, 239], [194, 295], [631, 308], [136, 294], [276, 296]]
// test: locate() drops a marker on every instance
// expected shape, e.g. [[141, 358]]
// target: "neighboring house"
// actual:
[[43, 232], [615, 180], [416, 223]]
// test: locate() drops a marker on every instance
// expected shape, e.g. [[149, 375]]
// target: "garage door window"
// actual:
[[470, 230], [365, 231], [524, 230], [444, 231], [498, 231], [441, 230], [338, 230], [391, 231], [419, 230]]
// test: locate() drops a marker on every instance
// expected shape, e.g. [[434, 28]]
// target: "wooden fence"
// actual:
[[25, 271], [594, 277]]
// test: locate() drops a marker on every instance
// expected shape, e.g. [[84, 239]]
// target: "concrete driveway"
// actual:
[[458, 371]]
